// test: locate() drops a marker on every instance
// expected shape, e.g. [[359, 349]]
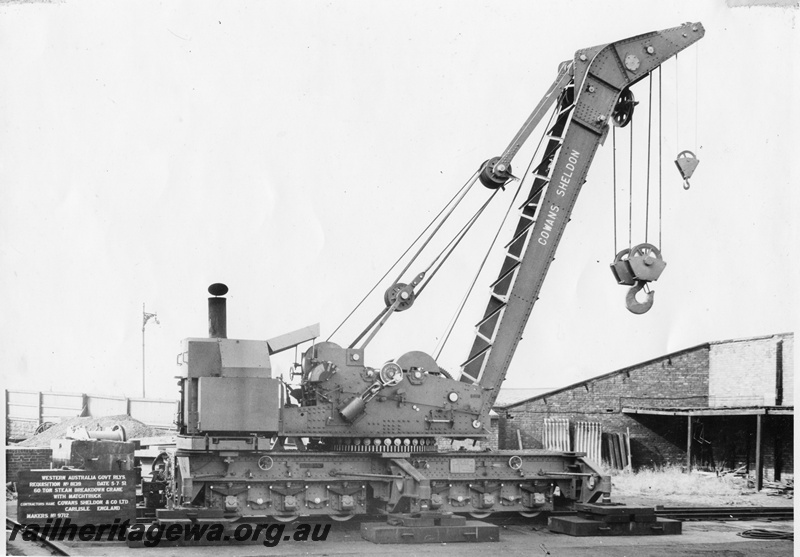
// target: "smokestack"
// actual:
[[217, 313]]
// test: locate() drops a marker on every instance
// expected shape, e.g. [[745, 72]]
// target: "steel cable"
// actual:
[[764, 534], [466, 185], [451, 325]]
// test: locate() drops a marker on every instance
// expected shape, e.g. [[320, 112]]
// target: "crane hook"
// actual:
[[635, 306], [686, 163]]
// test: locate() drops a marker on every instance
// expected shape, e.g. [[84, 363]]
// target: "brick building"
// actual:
[[722, 404]]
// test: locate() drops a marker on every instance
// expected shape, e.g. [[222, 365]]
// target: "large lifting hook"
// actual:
[[636, 267], [634, 305]]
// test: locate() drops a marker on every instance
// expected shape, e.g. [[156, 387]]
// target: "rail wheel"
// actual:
[[480, 516], [341, 517], [285, 517]]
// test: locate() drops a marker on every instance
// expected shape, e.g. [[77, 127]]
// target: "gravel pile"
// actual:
[[134, 429]]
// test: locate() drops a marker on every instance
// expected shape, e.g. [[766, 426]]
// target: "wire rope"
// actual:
[[451, 246], [389, 270], [630, 191], [451, 325], [649, 148], [465, 188], [764, 534], [614, 182], [660, 161], [696, 93]]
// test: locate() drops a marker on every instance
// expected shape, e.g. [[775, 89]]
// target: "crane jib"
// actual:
[[599, 75], [563, 183]]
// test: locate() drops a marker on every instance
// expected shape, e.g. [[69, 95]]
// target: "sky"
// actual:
[[293, 151]]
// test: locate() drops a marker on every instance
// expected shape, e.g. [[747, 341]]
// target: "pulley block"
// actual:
[[623, 109], [404, 292], [645, 262], [494, 175], [637, 267], [687, 163], [622, 270]]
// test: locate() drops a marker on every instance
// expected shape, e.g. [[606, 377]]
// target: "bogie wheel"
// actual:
[[342, 517], [480, 516], [285, 518], [530, 514], [623, 109]]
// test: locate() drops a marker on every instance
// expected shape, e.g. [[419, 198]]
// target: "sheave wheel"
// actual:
[[623, 110]]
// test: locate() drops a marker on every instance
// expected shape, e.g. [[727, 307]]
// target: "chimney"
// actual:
[[217, 314]]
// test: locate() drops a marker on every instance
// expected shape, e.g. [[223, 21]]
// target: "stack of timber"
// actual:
[[617, 451]]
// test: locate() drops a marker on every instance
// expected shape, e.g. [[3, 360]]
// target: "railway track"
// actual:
[[726, 513], [34, 538], [500, 519]]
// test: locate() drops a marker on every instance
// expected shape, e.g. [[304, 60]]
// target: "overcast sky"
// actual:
[[293, 150]]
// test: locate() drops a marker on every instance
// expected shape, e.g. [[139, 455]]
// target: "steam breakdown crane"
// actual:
[[351, 438]]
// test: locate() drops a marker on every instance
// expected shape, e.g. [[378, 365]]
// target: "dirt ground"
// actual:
[[674, 488]]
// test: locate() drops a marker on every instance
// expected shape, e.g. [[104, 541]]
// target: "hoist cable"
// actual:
[[384, 314], [649, 137], [660, 162], [614, 182], [630, 190], [696, 94], [389, 270], [453, 244], [465, 189], [451, 325], [677, 105]]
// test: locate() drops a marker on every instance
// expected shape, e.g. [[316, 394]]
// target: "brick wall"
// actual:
[[787, 365], [26, 458], [17, 429], [677, 380], [746, 372]]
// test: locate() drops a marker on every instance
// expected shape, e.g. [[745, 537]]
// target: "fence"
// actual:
[[556, 434], [27, 410], [588, 439]]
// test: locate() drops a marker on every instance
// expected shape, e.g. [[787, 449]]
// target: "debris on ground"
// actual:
[[133, 428], [782, 489]]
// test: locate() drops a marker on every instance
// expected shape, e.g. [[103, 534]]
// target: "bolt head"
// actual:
[[650, 50], [583, 58]]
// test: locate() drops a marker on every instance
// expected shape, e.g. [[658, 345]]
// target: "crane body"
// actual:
[[352, 438]]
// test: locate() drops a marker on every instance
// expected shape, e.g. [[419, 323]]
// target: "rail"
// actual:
[[34, 536]]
